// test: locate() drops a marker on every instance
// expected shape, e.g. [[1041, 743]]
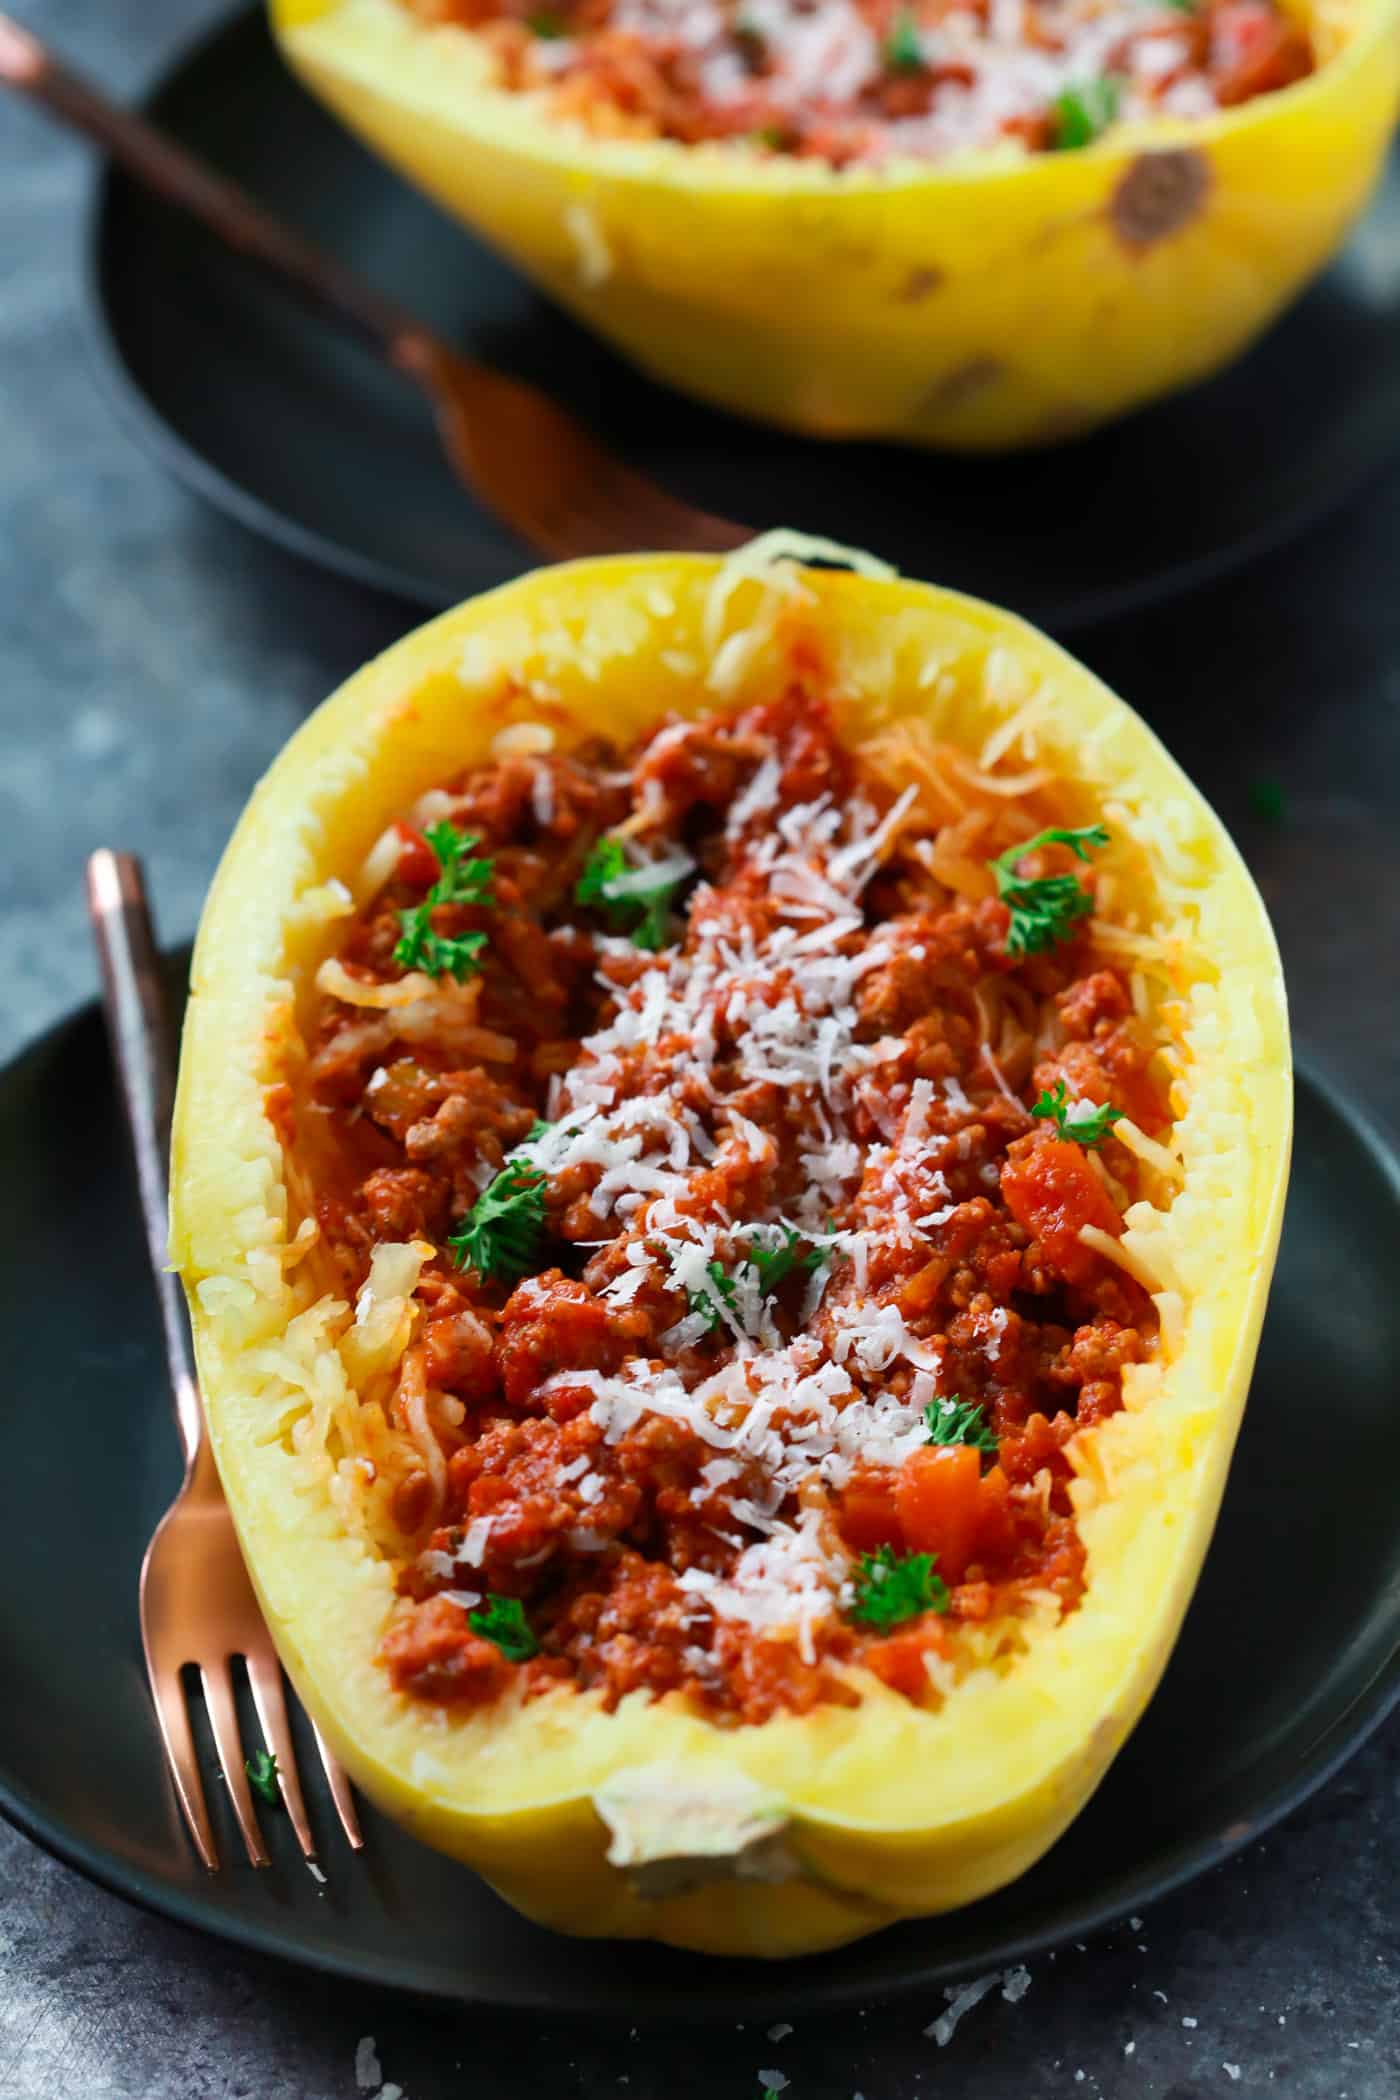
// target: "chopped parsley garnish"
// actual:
[[652, 929], [770, 135], [1044, 910], [545, 26], [904, 53], [1084, 113], [606, 861], [771, 1265], [503, 1620], [1267, 800], [892, 1587], [261, 1768], [502, 1230], [452, 955], [463, 880], [955, 1421], [776, 1264], [706, 1303], [648, 911], [1077, 1120]]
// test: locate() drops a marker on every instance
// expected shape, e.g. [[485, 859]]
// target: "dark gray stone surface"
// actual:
[[152, 659]]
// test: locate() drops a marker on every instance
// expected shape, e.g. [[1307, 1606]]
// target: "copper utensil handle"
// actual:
[[138, 1022], [157, 161]]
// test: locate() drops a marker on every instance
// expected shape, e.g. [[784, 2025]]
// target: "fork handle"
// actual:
[[157, 162], [138, 1022]]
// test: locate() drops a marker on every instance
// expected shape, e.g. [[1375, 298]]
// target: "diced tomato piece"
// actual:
[[899, 1661], [418, 864], [996, 1530], [868, 1518], [937, 1494], [1255, 50], [1051, 1189]]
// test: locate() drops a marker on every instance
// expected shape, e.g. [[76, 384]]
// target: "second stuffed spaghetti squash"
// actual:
[[993, 297]]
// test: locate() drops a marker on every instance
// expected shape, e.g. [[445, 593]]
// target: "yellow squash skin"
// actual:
[[994, 300], [884, 1810]]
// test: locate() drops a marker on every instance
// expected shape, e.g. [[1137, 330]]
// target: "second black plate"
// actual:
[[269, 413], [1290, 1655]]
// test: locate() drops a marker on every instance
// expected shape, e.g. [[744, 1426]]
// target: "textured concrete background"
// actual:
[[152, 658]]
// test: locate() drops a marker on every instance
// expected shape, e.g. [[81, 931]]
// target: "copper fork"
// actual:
[[525, 456], [197, 1604]]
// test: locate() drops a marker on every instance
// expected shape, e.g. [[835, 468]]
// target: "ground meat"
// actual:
[[937, 952], [552, 1324], [461, 1356], [431, 1651], [799, 1140], [1093, 1003], [885, 81], [634, 1636], [768, 1677], [539, 1481], [1098, 1357], [403, 1204]]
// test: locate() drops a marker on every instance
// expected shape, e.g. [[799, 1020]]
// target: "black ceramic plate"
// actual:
[[302, 437], [1291, 1653]]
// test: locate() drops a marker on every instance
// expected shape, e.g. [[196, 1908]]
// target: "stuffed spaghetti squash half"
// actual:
[[731, 1140], [1116, 200]]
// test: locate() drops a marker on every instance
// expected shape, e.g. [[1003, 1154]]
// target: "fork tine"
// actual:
[[172, 1714], [265, 1679], [340, 1793], [223, 1719]]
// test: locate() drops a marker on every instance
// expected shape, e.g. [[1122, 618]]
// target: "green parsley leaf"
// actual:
[[654, 926], [1043, 911], [772, 1265], [606, 861], [648, 911], [501, 1232], [503, 1620], [536, 1131], [545, 26], [955, 1421], [462, 881], [455, 955], [706, 1303], [770, 135], [1076, 1120], [261, 1768], [892, 1587], [1084, 113], [1267, 800], [904, 52], [776, 1264]]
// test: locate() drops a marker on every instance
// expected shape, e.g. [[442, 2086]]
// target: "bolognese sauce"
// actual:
[[757, 1127], [865, 80]]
